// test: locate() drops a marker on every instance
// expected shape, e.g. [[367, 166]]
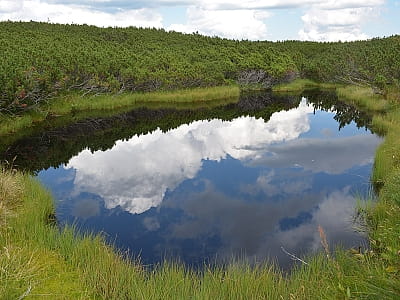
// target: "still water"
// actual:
[[210, 190]]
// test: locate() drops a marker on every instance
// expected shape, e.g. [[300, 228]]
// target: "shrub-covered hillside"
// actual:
[[40, 60], [374, 62]]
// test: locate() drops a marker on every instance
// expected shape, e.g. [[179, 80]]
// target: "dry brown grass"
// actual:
[[10, 193]]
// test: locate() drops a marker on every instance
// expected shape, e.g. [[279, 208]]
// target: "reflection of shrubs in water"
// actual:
[[327, 100], [254, 101], [56, 146]]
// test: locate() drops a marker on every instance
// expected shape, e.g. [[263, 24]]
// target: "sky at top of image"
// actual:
[[316, 20]]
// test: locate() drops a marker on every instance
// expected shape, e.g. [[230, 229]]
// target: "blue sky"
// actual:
[[317, 20]]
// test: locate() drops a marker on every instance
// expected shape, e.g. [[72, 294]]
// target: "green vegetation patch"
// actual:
[[383, 216], [300, 85], [73, 103], [364, 97], [40, 61]]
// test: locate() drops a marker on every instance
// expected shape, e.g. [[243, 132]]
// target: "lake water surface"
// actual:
[[213, 189]]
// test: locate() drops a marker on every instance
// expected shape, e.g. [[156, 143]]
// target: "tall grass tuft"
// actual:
[[299, 85], [363, 97], [75, 102], [10, 193]]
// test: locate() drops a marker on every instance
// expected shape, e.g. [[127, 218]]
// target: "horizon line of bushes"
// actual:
[[42, 60]]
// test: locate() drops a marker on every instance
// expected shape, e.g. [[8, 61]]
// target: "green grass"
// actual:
[[301, 84], [385, 121], [75, 103], [383, 218], [364, 98], [106, 102], [39, 260]]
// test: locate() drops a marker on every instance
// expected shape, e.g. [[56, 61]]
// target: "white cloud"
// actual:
[[234, 24], [86, 208], [252, 4], [274, 183], [340, 4], [204, 4], [10, 6], [135, 174], [253, 227], [37, 10], [338, 20], [323, 20], [334, 214], [320, 155]]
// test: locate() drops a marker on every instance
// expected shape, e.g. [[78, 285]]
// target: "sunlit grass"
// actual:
[[75, 103], [385, 121], [299, 85], [10, 192], [383, 216], [12, 124], [387, 156], [363, 97]]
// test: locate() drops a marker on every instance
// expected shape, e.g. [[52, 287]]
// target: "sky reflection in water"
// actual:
[[213, 189]]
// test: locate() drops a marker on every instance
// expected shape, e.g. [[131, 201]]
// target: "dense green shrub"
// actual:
[[40, 60]]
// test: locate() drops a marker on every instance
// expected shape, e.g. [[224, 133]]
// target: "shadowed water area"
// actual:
[[208, 185]]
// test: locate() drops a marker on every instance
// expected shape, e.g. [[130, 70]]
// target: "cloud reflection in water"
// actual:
[[135, 174], [253, 227], [216, 189]]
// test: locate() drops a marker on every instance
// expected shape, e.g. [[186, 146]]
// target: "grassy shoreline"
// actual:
[[37, 260], [299, 85], [383, 218], [74, 103]]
